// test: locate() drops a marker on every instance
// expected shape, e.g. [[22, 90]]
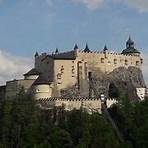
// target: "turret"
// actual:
[[130, 49], [36, 54], [76, 47], [105, 48], [56, 51], [87, 49], [130, 43]]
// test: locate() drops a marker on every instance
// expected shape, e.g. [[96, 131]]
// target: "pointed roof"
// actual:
[[105, 48], [56, 51], [130, 43], [130, 49], [36, 54], [87, 48], [33, 71], [130, 40], [76, 47]]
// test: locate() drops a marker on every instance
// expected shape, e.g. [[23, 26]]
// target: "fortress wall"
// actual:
[[89, 104], [107, 62], [65, 73], [13, 87]]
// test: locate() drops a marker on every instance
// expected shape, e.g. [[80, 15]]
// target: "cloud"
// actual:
[[12, 67], [92, 4], [145, 68], [141, 5]]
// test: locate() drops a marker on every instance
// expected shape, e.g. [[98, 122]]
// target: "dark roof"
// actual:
[[130, 50], [105, 48], [33, 71], [57, 51], [65, 56], [36, 54], [76, 47], [130, 47], [130, 40], [41, 80], [87, 49]]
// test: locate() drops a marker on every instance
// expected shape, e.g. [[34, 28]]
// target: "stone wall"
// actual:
[[107, 61], [88, 104], [13, 87]]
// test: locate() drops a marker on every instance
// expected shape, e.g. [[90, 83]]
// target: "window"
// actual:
[[137, 63], [115, 61], [141, 61], [126, 62], [58, 76], [62, 69], [102, 60], [73, 70]]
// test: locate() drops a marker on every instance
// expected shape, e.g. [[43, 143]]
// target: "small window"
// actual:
[[73, 70], [115, 61], [102, 60], [62, 69], [126, 62], [47, 62], [58, 76], [141, 61], [137, 63]]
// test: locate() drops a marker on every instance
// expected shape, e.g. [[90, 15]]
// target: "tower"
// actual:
[[130, 48], [76, 47], [87, 48]]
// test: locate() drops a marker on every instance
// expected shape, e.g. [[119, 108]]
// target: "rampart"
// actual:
[[88, 104]]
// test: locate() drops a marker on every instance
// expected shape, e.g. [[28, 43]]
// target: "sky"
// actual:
[[27, 26]]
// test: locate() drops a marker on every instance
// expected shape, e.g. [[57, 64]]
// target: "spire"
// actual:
[[130, 49], [105, 48], [86, 48], [36, 54], [130, 43], [56, 51], [76, 47]]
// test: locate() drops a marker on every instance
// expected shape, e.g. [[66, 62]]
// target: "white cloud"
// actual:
[[12, 67], [92, 4], [141, 5]]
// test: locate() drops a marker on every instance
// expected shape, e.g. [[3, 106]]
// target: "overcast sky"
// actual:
[[27, 26]]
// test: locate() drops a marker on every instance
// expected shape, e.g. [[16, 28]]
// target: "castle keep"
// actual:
[[66, 74]]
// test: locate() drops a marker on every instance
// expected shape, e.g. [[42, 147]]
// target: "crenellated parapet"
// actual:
[[89, 104]]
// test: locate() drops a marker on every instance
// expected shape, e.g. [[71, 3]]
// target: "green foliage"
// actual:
[[24, 125]]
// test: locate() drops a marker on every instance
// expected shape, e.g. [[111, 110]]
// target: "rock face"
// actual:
[[125, 80]]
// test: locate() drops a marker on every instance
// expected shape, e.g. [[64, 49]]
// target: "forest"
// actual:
[[24, 125]]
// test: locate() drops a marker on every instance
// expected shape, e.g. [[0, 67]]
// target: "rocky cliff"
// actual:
[[121, 81]]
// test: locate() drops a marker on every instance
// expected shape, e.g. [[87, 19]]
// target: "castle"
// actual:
[[54, 74]]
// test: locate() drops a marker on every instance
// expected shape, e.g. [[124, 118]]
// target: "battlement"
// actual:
[[89, 104], [72, 99], [102, 53]]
